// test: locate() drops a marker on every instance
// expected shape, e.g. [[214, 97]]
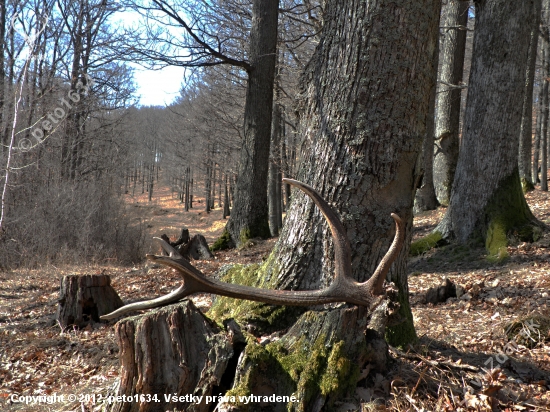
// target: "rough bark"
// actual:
[[249, 216], [196, 249], [545, 110], [487, 194], [83, 299], [452, 50], [317, 368], [425, 198], [526, 130], [173, 350], [538, 131], [274, 199], [365, 102]]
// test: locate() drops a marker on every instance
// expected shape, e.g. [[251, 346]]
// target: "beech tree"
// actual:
[[447, 124], [486, 197], [526, 130], [366, 94]]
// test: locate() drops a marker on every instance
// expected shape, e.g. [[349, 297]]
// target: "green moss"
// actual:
[[265, 318], [303, 369], [426, 243], [402, 334], [223, 242], [507, 212], [496, 241], [527, 185], [244, 236], [258, 229]]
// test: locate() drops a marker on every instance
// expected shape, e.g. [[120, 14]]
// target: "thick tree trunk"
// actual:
[[452, 49], [317, 368], [366, 97], [249, 216], [83, 299], [174, 351], [526, 130], [487, 194]]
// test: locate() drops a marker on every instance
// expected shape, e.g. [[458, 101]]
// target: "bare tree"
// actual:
[[495, 204]]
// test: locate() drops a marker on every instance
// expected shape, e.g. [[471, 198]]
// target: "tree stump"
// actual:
[[83, 299], [195, 248], [317, 367], [173, 350]]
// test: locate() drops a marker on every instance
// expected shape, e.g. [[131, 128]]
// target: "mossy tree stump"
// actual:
[[317, 367], [83, 299], [173, 350]]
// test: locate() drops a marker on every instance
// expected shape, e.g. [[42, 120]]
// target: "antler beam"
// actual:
[[343, 289]]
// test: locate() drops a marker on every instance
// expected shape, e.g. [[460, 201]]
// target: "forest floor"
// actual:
[[460, 340]]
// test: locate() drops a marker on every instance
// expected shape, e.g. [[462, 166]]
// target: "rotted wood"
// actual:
[[172, 350], [83, 299]]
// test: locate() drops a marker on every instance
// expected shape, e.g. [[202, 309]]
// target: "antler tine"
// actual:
[[172, 297], [172, 252], [376, 281], [342, 248]]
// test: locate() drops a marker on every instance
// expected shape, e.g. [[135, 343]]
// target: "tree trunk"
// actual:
[[83, 299], [226, 210], [487, 195], [207, 184], [3, 137], [545, 101], [366, 97], [249, 217], [526, 130], [452, 49], [545, 111], [175, 351], [425, 198], [274, 201], [538, 131]]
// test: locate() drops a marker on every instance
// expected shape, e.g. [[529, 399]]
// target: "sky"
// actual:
[[158, 87], [154, 87]]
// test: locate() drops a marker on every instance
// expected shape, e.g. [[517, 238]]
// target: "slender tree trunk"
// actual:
[[226, 210], [249, 216], [274, 201], [425, 198], [487, 195], [452, 49], [151, 181], [538, 131], [544, 119], [191, 189], [3, 141], [207, 183], [526, 131]]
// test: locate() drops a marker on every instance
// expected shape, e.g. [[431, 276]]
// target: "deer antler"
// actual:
[[343, 288]]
